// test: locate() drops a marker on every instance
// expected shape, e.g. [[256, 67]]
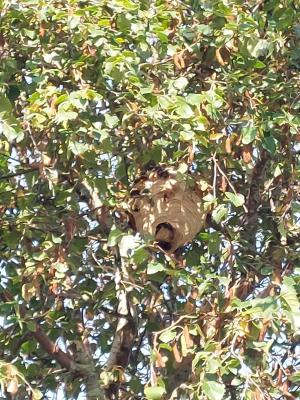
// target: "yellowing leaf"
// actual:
[[29, 290], [36, 394], [216, 136]]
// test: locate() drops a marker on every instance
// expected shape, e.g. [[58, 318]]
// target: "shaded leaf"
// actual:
[[269, 144]]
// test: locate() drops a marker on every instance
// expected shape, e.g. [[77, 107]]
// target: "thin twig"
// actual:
[[32, 138], [215, 178], [12, 158], [228, 181], [176, 323]]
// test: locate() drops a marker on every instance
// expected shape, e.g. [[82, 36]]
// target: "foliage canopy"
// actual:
[[92, 94]]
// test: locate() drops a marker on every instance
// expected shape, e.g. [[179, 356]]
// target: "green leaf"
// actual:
[[31, 326], [236, 199], [9, 124], [154, 392], [29, 346], [295, 377], [111, 120], [101, 185], [153, 268], [258, 47], [277, 171], [114, 237], [36, 394], [40, 256], [62, 98], [166, 102], [259, 64], [219, 213], [194, 99], [64, 116], [186, 136], [167, 336], [181, 83], [61, 267], [213, 390], [126, 4], [78, 148], [204, 29], [289, 295], [5, 105], [183, 109], [248, 133], [214, 243], [74, 21], [140, 255], [269, 144], [11, 132], [264, 307], [212, 365]]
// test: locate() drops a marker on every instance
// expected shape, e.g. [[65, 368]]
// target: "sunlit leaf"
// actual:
[[154, 392], [78, 148], [248, 133], [153, 268], [167, 336], [289, 295], [181, 83], [114, 237], [213, 389], [236, 199]]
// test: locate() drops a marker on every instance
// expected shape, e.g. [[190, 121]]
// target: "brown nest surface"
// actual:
[[168, 206]]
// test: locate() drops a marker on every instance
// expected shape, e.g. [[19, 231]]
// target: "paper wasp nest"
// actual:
[[166, 207]]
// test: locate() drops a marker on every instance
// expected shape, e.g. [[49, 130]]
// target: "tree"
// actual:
[[92, 95]]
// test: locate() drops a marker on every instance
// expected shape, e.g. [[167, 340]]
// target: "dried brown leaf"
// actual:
[[177, 355], [247, 153], [219, 57], [228, 145], [159, 362], [188, 340]]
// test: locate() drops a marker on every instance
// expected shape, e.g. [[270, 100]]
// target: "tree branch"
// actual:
[[254, 198], [83, 364], [64, 359], [95, 203], [84, 358], [22, 172]]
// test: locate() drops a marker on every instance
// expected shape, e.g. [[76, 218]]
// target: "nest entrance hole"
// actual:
[[164, 235]]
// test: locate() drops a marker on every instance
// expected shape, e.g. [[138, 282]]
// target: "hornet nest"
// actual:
[[168, 206]]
